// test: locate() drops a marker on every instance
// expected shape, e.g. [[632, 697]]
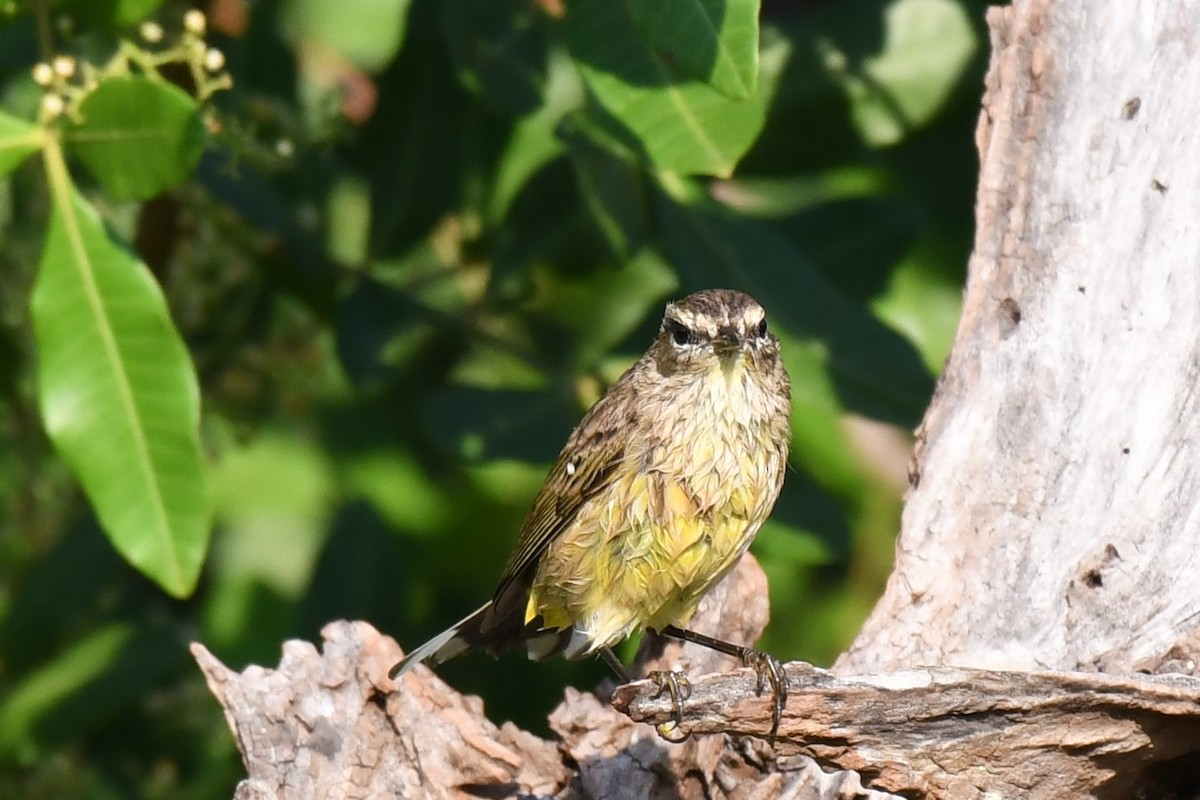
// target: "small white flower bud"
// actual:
[[43, 74], [64, 66], [195, 22], [52, 106], [214, 60], [151, 31]]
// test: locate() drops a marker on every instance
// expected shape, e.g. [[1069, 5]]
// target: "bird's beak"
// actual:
[[727, 342]]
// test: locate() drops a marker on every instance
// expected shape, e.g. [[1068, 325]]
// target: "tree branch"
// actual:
[[333, 724], [959, 733], [330, 725]]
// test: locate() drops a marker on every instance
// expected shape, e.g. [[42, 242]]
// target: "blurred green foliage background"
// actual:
[[423, 237]]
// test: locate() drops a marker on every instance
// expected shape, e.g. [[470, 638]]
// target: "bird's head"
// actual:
[[715, 330]]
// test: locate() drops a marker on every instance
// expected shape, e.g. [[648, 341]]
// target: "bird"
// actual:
[[655, 497]]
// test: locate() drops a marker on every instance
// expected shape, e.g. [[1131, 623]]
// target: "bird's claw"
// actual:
[[769, 670], [680, 688]]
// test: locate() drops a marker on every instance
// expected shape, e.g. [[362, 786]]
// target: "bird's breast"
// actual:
[[698, 477]]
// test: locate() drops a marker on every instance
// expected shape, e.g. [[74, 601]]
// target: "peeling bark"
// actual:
[[331, 724], [944, 732]]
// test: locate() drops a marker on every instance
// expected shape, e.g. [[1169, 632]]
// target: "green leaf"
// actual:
[[367, 33], [401, 489], [499, 49], [274, 498], [33, 699], [355, 576], [117, 391], [138, 136], [714, 41], [533, 142], [112, 13], [63, 588], [820, 443], [775, 196], [413, 149], [480, 425], [531, 147], [857, 243], [615, 193], [927, 45], [668, 121], [92, 682], [18, 140], [603, 308], [922, 303]]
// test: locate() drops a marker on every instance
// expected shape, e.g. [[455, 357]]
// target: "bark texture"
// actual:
[[1050, 543], [954, 733], [332, 725], [1056, 504]]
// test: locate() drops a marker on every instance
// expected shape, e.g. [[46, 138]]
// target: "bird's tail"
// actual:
[[453, 641]]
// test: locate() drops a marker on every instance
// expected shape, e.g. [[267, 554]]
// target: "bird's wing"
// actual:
[[586, 467]]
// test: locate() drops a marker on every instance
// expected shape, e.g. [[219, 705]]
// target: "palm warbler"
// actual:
[[657, 494]]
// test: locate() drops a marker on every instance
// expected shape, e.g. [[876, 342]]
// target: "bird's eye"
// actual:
[[679, 333], [761, 330]]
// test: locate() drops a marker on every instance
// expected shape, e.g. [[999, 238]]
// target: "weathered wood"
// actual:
[[331, 724], [1054, 519], [954, 733]]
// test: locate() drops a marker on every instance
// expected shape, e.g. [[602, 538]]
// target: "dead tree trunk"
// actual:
[[1056, 504], [1050, 549]]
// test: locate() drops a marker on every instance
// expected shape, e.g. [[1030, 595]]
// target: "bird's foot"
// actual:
[[680, 688], [769, 670]]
